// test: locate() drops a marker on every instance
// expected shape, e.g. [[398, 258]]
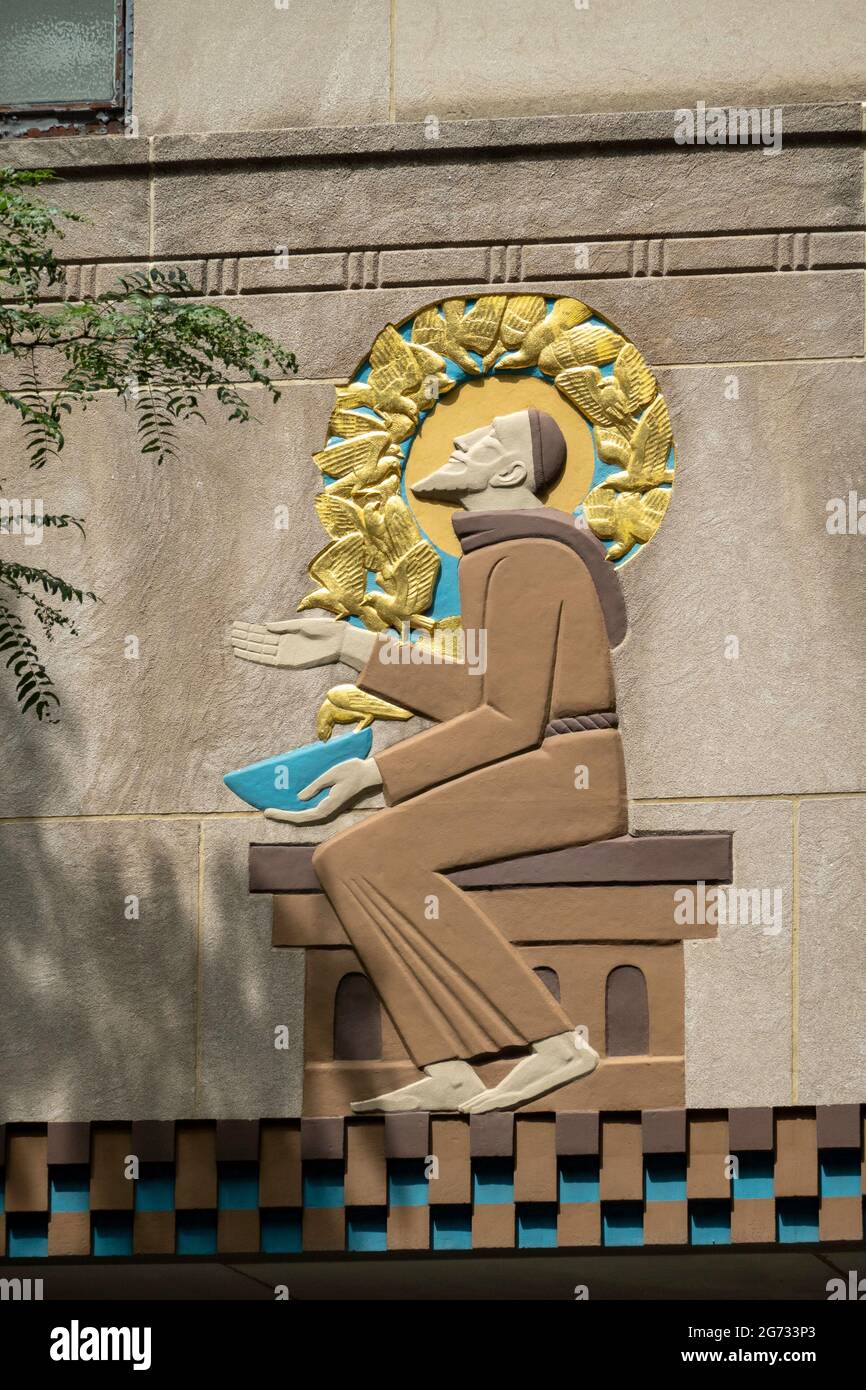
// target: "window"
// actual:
[[626, 1013], [357, 1021], [62, 56]]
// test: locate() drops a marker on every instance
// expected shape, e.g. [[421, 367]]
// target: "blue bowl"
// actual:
[[274, 783]]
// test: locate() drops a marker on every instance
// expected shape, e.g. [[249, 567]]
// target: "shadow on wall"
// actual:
[[97, 956]]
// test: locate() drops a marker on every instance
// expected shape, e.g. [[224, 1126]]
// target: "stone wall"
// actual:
[[740, 277]]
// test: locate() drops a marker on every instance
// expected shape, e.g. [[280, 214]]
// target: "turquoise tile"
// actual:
[[69, 1188], [536, 1226], [281, 1232], [797, 1219], [366, 1228], [324, 1183], [753, 1176], [578, 1178], [665, 1178], [407, 1185], [27, 1235], [451, 1228], [492, 1181], [154, 1190], [238, 1186], [196, 1233], [840, 1172], [622, 1223], [710, 1222], [111, 1233]]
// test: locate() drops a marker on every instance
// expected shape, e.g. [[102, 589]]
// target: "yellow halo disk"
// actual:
[[474, 404]]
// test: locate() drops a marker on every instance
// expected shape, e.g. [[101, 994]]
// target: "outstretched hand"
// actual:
[[348, 781], [298, 643]]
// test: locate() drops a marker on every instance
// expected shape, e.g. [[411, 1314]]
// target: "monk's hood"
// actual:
[[477, 529]]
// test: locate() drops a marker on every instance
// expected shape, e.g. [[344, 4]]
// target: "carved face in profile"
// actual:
[[522, 450]]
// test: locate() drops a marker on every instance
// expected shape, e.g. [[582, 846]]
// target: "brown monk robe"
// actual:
[[490, 781]]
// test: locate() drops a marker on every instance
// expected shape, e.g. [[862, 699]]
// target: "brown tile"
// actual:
[[238, 1233], [491, 1136], [69, 1233], [69, 1143], [195, 1187], [366, 1174], [535, 1167], [621, 1176], [751, 1129], [280, 1182], [493, 1227], [237, 1141], [839, 1126], [841, 1218], [324, 1228], [666, 1223], [452, 1184], [664, 1131], [753, 1222], [407, 1136], [578, 1224], [153, 1141], [322, 1138], [577, 1133], [110, 1188], [409, 1228], [26, 1170], [153, 1233], [796, 1169], [707, 1170]]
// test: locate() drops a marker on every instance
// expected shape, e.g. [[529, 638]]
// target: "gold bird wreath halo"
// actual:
[[369, 525]]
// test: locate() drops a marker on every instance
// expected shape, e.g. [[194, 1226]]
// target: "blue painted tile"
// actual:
[[69, 1188], [451, 1228], [665, 1177], [281, 1232], [407, 1185], [754, 1176], [323, 1183], [154, 1190], [196, 1233], [840, 1172], [492, 1181], [111, 1233], [797, 1219], [536, 1226], [366, 1228], [622, 1223], [578, 1178], [238, 1186], [26, 1235], [710, 1222]]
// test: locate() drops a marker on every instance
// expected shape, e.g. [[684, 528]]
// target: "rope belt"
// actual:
[[579, 723]]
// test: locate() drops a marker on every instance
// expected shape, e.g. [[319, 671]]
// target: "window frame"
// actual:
[[116, 105]]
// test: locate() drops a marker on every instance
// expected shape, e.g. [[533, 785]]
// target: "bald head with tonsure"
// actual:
[[505, 465]]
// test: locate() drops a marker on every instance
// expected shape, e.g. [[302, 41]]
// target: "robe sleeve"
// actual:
[[521, 622]]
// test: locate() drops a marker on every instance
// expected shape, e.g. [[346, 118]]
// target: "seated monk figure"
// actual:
[[523, 758]]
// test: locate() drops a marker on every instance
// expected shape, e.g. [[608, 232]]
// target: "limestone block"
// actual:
[[743, 563], [738, 986], [832, 1049], [456, 62], [260, 66], [98, 1008]]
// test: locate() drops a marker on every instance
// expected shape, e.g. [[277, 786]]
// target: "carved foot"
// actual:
[[552, 1063]]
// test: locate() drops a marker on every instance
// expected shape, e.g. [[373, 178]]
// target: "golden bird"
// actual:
[[411, 580], [611, 400], [347, 704], [625, 517], [360, 462], [644, 460], [341, 572], [565, 314], [587, 344], [391, 531], [399, 372]]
